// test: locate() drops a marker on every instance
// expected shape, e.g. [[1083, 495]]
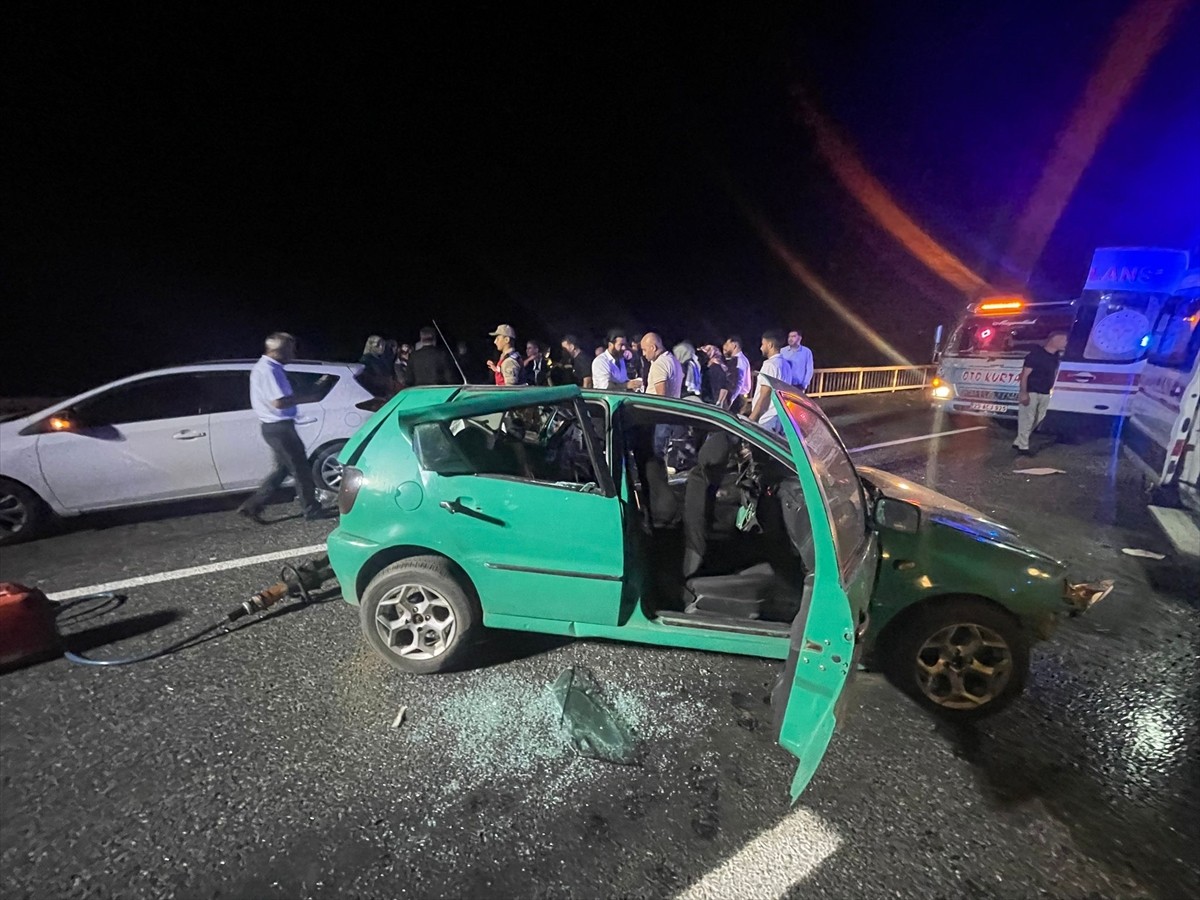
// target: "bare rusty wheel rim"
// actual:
[[964, 666]]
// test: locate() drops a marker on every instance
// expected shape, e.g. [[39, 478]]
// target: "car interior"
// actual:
[[542, 444], [727, 535], [725, 538]]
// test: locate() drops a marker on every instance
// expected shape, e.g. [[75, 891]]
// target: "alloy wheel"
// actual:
[[964, 666], [331, 472], [14, 514], [415, 622]]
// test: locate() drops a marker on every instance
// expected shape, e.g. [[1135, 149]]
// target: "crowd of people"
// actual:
[[720, 375]]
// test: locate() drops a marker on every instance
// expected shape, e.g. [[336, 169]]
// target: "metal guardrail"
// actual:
[[869, 380]]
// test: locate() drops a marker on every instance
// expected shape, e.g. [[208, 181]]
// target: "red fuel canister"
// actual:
[[27, 631]]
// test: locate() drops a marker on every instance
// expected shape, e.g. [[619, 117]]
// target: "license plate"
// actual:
[[989, 407]]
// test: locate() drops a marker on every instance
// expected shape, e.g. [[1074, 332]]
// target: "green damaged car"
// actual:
[[641, 518]]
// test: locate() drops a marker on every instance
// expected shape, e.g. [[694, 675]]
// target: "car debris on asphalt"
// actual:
[[594, 728], [1142, 554]]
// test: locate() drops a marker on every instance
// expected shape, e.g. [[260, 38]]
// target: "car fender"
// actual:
[[19, 463], [939, 562]]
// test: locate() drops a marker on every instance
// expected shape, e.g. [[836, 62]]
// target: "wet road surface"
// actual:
[[262, 763]]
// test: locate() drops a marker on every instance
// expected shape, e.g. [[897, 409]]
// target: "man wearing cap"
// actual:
[[511, 367]]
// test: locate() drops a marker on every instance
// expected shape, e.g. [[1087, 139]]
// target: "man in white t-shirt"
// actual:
[[274, 401], [740, 392], [608, 368], [774, 366], [666, 374], [800, 358]]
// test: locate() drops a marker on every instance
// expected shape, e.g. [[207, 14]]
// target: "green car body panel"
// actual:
[[958, 551], [584, 581]]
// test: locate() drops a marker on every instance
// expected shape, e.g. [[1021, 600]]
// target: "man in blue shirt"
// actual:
[[800, 358], [274, 403]]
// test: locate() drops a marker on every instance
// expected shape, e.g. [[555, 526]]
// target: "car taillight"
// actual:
[[352, 480]]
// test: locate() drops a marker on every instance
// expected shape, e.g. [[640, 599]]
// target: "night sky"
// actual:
[[180, 181]]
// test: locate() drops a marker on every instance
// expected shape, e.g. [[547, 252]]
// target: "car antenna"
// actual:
[[453, 355]]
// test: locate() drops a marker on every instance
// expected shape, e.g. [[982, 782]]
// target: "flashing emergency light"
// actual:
[[995, 305], [985, 334], [1145, 342]]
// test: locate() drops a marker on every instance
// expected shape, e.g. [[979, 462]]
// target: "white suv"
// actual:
[[165, 435]]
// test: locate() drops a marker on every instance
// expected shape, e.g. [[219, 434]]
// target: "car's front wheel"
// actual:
[[326, 470], [23, 515], [420, 615], [962, 658]]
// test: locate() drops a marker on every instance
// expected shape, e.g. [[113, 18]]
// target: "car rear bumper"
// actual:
[[348, 553]]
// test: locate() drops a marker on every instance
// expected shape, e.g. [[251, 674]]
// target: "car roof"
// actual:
[[251, 361], [472, 402]]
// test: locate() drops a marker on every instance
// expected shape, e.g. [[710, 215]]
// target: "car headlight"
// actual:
[[942, 392]]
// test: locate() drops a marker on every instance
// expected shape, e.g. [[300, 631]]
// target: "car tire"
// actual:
[[429, 590], [930, 655], [23, 514], [326, 470]]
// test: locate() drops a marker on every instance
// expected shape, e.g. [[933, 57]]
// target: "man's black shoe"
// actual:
[[1021, 452], [313, 515], [252, 514]]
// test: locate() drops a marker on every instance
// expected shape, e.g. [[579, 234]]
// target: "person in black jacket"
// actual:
[[431, 364]]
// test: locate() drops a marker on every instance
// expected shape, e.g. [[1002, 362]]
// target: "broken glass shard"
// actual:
[[593, 727]]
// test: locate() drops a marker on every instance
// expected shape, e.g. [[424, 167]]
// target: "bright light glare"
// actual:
[[942, 392], [999, 305]]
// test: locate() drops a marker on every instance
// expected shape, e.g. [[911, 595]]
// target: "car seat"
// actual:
[[770, 589]]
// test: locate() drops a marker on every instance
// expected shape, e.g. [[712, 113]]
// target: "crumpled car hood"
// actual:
[[940, 509]]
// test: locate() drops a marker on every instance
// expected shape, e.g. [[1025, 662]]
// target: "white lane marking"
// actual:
[[771, 863], [191, 572], [920, 437]]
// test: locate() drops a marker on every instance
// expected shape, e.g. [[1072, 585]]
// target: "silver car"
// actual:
[[165, 435]]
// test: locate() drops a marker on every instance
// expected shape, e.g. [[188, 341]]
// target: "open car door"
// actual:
[[821, 658]]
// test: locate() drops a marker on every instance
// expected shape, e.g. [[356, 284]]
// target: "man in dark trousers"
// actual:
[[272, 399], [431, 364], [1037, 381]]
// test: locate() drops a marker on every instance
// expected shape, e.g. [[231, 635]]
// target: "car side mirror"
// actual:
[[64, 420], [898, 515], [937, 342]]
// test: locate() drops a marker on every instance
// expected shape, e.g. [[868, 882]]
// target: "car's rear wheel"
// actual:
[[23, 515], [326, 470], [420, 615], [962, 658]]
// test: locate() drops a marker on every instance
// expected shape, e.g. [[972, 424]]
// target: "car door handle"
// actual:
[[454, 507], [1083, 376], [307, 421], [189, 435]]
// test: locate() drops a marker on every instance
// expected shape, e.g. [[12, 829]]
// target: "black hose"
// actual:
[[296, 586], [153, 654]]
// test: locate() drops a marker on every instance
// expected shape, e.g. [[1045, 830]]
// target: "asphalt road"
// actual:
[[262, 763]]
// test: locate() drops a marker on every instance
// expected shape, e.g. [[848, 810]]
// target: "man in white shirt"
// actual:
[[608, 369], [800, 358], [741, 391], [274, 403], [666, 374], [774, 366]]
